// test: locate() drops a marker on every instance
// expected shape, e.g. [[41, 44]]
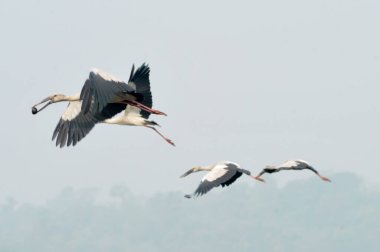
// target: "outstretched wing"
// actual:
[[222, 174], [101, 89], [139, 81], [74, 125], [297, 165], [232, 179], [289, 165]]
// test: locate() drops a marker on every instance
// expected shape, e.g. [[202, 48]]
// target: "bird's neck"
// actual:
[[204, 168], [75, 97]]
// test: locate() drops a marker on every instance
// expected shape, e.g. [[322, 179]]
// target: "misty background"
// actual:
[[304, 215], [253, 82]]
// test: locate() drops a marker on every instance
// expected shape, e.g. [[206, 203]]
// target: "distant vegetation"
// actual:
[[305, 215]]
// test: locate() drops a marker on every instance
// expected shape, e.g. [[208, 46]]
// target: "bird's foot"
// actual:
[[325, 179], [259, 179], [157, 112], [170, 141]]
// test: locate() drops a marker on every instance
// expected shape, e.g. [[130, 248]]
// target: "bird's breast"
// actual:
[[134, 121]]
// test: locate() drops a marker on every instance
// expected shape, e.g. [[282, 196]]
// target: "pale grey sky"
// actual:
[[254, 82]]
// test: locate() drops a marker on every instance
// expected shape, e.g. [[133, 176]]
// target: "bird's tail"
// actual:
[[189, 196]]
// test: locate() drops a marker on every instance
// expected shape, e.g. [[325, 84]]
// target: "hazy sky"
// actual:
[[333, 217], [254, 82]]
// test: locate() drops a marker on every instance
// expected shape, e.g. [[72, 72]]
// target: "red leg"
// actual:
[[143, 107], [258, 178], [324, 178], [166, 139]]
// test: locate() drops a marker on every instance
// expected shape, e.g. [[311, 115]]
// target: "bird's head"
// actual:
[[48, 100]]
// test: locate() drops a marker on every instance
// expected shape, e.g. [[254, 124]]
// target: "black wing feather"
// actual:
[[141, 79], [98, 92], [70, 132], [206, 185], [233, 179]]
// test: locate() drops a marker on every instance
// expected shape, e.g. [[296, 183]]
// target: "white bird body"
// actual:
[[220, 170], [297, 164], [131, 117], [221, 173], [127, 120], [217, 171]]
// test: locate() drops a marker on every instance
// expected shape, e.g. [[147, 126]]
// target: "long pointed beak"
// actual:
[[187, 173], [48, 101], [258, 178]]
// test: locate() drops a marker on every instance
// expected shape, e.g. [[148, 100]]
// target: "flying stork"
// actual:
[[290, 165], [222, 173], [108, 97], [101, 89]]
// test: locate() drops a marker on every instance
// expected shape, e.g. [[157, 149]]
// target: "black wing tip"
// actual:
[[141, 72], [64, 136], [145, 68], [144, 65], [86, 95], [232, 179], [132, 72]]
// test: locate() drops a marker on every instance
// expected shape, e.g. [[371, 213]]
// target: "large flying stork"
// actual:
[[101, 89], [290, 165], [134, 98], [221, 173]]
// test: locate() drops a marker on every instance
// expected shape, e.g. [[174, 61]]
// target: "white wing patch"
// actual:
[[302, 161], [132, 111], [289, 163], [132, 85], [216, 173], [105, 75], [72, 110], [229, 162], [295, 164]]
